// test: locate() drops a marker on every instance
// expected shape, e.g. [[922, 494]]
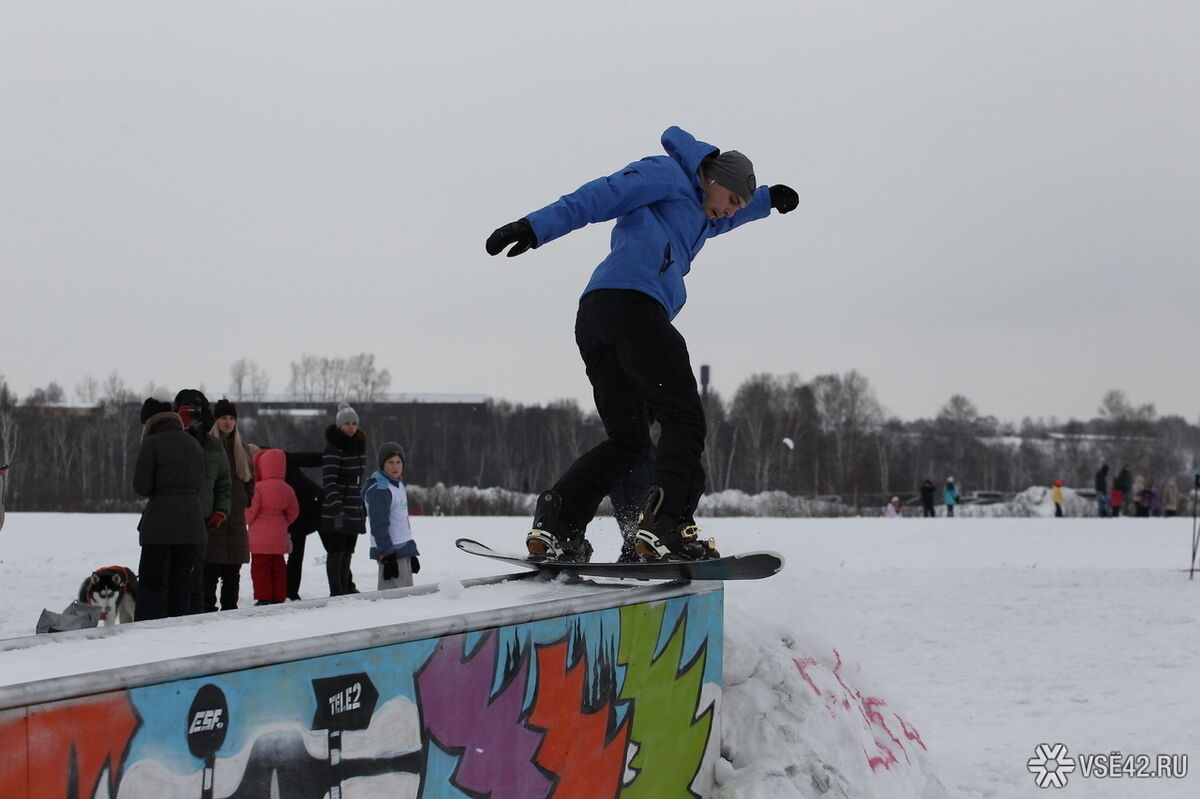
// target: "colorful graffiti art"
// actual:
[[882, 746], [615, 703]]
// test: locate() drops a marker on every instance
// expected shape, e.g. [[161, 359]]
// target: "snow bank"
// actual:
[[796, 723]]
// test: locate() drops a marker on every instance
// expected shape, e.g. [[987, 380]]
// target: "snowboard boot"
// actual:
[[662, 536], [553, 539]]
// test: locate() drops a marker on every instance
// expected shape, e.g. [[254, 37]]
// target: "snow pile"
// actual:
[[1035, 501], [794, 723], [769, 503]]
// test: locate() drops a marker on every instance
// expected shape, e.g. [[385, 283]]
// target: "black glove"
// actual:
[[518, 233], [391, 567], [415, 563], [339, 521], [784, 198]]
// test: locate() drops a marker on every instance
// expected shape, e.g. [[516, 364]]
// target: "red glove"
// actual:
[[216, 520]]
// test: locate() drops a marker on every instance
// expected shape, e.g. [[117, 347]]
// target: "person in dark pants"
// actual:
[[927, 489], [1103, 507], [228, 547], [169, 472], [343, 519], [666, 207], [215, 493], [308, 494]]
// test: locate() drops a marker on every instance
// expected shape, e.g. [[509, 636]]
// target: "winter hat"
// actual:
[[191, 396], [733, 171], [224, 408], [388, 450], [153, 406], [346, 414]]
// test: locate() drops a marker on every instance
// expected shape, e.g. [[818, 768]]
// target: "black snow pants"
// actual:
[[639, 368]]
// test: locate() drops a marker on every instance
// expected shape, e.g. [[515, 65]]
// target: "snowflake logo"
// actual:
[[1051, 765]]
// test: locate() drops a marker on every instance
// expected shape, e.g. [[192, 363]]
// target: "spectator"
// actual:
[[274, 508], [927, 489], [1057, 495], [169, 472], [343, 464], [196, 416], [1122, 487], [386, 501], [950, 496], [308, 495], [1103, 506], [1141, 497], [1156, 502], [1170, 499], [893, 510], [3, 486], [228, 547]]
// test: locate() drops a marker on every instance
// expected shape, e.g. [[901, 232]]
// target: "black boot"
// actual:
[[664, 536], [553, 539]]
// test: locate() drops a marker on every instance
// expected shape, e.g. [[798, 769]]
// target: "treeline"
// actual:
[[826, 438]]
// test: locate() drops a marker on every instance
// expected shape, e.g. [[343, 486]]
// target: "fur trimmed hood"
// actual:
[[355, 444], [166, 420]]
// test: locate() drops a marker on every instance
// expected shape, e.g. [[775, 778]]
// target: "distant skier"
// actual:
[[950, 496], [666, 207], [1103, 508]]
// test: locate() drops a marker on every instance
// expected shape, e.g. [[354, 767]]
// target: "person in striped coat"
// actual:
[[342, 519]]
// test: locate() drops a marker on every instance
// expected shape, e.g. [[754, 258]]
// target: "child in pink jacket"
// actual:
[[273, 509]]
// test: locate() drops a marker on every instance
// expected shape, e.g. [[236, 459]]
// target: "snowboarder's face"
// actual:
[[226, 425], [719, 201], [348, 428], [393, 467]]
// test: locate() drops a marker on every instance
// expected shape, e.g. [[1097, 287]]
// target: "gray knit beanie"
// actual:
[[390, 449], [733, 171], [346, 414]]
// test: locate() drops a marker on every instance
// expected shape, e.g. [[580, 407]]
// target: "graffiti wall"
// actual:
[[613, 703]]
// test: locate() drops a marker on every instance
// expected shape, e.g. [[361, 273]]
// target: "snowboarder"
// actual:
[[666, 207]]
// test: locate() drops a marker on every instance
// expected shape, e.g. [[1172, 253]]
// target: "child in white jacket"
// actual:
[[386, 503]]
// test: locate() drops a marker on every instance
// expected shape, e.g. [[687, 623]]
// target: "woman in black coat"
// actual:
[[310, 497], [169, 471], [342, 519]]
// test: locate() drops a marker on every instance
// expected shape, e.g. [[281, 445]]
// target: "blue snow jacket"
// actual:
[[660, 223]]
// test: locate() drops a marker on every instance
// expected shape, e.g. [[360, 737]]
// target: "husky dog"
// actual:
[[113, 589]]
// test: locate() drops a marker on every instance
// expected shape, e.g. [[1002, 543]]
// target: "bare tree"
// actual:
[[365, 383], [115, 392], [248, 380], [52, 394], [87, 390], [849, 413]]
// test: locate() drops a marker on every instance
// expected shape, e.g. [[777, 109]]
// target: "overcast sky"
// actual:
[[996, 199]]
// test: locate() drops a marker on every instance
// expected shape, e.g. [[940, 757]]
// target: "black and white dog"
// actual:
[[113, 589]]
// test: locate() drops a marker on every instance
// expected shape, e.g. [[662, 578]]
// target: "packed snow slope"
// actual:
[[892, 658]]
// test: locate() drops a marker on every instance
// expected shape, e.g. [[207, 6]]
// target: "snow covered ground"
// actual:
[[892, 658]]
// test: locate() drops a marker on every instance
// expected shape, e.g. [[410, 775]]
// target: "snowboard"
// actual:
[[743, 566]]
